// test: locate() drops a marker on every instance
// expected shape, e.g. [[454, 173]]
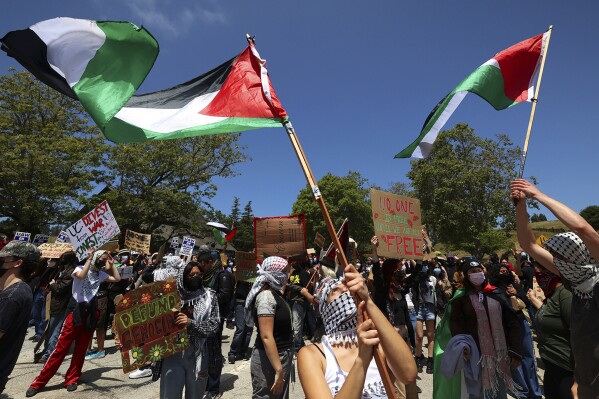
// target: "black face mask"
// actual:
[[193, 283]]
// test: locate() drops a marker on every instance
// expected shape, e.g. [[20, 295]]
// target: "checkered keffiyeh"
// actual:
[[272, 272], [583, 272], [172, 265], [340, 316]]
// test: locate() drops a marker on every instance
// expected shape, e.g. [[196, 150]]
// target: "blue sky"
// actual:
[[359, 78]]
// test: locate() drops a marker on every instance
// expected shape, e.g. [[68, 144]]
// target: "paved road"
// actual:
[[104, 378]]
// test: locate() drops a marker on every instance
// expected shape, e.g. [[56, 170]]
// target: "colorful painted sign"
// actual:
[[93, 230], [397, 224], [145, 323], [138, 241], [280, 236], [55, 250], [187, 246], [22, 236], [245, 266]]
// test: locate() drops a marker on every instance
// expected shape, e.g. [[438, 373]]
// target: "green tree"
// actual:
[[463, 187], [244, 239], [51, 155], [542, 217], [400, 188], [345, 197], [534, 218], [591, 215], [235, 212]]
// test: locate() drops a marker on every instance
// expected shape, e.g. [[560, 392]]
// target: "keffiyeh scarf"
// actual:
[[583, 272], [173, 265], [272, 272], [340, 316]]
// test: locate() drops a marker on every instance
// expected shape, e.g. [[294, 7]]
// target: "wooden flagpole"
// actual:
[[534, 104]]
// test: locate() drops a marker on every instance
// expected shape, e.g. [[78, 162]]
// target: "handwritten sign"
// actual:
[[111, 246], [397, 224], [93, 229], [138, 241], [319, 240], [126, 272], [280, 235], [55, 250], [22, 236], [245, 266], [175, 242], [62, 237], [145, 323], [187, 246], [39, 239]]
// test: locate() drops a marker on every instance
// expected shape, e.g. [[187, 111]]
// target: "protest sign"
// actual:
[[145, 323], [187, 246], [93, 229], [62, 237], [138, 241], [397, 224], [22, 236], [175, 242], [319, 240], [126, 272], [245, 266], [55, 250], [280, 235], [111, 246], [39, 239]]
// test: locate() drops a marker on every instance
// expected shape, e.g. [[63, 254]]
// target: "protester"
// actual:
[[342, 364], [553, 322], [80, 321], [199, 312], [423, 285], [243, 333], [572, 256], [299, 278], [265, 306], [101, 299], [443, 289], [18, 260]]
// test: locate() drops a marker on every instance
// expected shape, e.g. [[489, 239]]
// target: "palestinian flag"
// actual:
[[235, 96], [221, 233], [101, 64], [331, 254], [503, 81]]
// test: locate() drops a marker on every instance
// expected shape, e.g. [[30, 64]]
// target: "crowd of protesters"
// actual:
[[472, 324]]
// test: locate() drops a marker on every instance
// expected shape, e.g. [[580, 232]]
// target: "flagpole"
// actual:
[[378, 353], [534, 104]]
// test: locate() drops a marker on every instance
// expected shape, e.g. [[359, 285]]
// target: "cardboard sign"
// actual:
[[138, 241], [22, 236], [187, 246], [245, 266], [397, 224], [55, 250], [280, 235], [145, 323], [62, 237], [93, 229], [39, 239], [175, 242], [111, 246], [126, 272], [319, 240]]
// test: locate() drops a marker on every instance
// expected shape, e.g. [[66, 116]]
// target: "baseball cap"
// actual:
[[22, 250]]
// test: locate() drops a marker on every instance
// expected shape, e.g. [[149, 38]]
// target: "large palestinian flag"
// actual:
[[111, 56], [503, 81]]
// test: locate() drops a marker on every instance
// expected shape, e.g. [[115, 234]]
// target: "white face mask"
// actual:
[[476, 278]]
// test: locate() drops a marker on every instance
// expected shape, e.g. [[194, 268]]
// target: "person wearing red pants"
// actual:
[[80, 322]]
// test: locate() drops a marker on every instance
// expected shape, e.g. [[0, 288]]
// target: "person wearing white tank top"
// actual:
[[345, 354]]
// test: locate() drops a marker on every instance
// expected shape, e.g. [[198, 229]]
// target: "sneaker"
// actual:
[[141, 374], [31, 392], [420, 363], [96, 355], [72, 387], [230, 325], [35, 338], [231, 359], [429, 366]]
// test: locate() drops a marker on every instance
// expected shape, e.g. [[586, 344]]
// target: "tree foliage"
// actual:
[[346, 196], [51, 155], [463, 187], [591, 215]]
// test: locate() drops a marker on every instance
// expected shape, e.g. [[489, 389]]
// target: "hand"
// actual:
[[517, 195], [295, 288], [515, 362], [356, 283], [368, 336], [375, 241], [109, 263], [90, 252], [279, 383], [574, 390], [182, 320], [525, 187], [511, 291]]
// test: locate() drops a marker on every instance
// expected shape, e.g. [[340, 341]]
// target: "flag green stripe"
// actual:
[[116, 71], [487, 81], [119, 131]]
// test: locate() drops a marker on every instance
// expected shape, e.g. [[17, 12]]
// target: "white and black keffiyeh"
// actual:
[[273, 272], [583, 272], [340, 316], [173, 265]]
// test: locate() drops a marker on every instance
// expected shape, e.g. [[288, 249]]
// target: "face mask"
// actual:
[[476, 278], [425, 269], [437, 272], [193, 283]]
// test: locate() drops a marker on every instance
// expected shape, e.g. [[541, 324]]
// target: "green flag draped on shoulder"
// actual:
[[503, 81], [102, 64]]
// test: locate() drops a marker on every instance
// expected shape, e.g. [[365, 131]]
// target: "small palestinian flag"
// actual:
[[503, 81], [222, 234], [235, 96], [343, 234]]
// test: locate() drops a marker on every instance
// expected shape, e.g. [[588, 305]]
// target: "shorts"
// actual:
[[426, 312]]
